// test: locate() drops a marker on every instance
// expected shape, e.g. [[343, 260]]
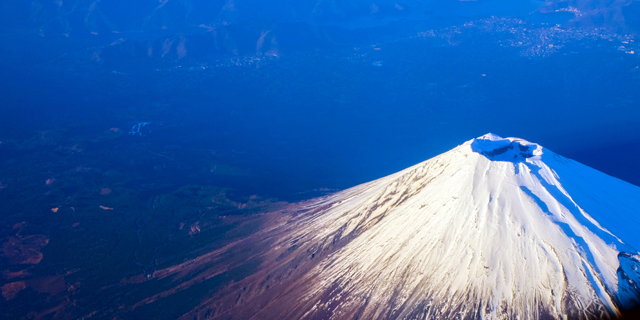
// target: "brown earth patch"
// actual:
[[51, 285], [24, 250], [16, 274], [19, 225], [10, 290], [194, 229]]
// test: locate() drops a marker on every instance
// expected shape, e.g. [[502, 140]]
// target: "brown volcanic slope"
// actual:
[[471, 233]]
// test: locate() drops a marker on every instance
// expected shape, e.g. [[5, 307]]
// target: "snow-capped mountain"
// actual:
[[493, 229]]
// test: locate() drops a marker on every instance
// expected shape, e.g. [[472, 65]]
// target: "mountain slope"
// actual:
[[493, 229]]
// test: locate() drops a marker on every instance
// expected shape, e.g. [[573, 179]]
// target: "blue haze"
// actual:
[[352, 95]]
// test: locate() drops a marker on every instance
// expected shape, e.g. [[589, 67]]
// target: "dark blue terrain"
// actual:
[[150, 111]]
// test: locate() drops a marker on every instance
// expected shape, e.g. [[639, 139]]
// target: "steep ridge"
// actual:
[[493, 229]]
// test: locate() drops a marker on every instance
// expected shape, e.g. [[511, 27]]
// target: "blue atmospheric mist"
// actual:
[[297, 96], [147, 147]]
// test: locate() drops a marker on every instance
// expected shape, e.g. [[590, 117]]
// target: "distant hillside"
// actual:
[[94, 16]]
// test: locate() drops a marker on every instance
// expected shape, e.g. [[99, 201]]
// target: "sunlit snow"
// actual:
[[495, 228]]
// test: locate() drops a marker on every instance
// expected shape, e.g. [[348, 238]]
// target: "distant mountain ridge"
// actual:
[[171, 33], [92, 16]]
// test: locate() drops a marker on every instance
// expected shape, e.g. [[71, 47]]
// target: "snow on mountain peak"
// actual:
[[505, 149], [492, 229]]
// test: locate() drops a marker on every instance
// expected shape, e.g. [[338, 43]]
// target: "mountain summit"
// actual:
[[496, 228]]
